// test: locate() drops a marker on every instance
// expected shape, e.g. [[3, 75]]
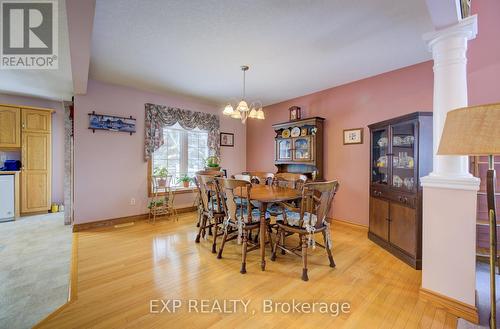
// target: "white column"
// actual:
[[449, 192], [449, 47]]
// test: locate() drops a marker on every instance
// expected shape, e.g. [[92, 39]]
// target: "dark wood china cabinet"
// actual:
[[401, 153], [299, 147]]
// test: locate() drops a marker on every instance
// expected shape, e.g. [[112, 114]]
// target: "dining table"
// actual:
[[265, 195]]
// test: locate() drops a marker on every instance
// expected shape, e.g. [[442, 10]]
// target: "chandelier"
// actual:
[[243, 111]]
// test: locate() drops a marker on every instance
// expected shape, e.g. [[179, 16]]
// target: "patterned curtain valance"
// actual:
[[160, 116]]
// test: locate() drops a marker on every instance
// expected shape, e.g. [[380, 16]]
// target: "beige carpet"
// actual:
[[35, 255]]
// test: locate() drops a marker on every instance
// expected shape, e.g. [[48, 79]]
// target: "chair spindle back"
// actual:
[[290, 180], [317, 199], [228, 189]]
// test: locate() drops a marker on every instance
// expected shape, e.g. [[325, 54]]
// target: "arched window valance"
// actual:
[[160, 116]]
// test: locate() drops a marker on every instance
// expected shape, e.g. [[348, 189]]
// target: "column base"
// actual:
[[449, 236]]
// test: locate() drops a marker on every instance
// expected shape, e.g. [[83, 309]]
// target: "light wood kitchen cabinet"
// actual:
[[36, 161], [29, 130], [35, 176], [10, 127], [36, 121]]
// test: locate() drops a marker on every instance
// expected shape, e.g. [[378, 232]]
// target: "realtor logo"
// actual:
[[29, 34]]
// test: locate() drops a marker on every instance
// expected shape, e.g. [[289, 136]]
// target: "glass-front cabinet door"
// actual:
[[403, 156], [284, 150], [380, 157], [302, 149]]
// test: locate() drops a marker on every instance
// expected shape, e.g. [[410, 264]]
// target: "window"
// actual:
[[183, 152]]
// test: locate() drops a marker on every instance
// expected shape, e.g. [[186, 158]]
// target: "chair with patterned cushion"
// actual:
[[290, 180], [310, 218], [198, 202], [240, 220], [212, 214]]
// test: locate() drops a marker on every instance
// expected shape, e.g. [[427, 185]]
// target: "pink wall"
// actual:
[[374, 99], [349, 106], [57, 138], [110, 167], [484, 54]]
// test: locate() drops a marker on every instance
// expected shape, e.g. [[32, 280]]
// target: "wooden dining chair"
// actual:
[[244, 177], [212, 214], [197, 202], [310, 218], [260, 177], [289, 180], [240, 220]]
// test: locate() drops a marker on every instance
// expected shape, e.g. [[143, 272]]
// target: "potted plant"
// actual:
[[185, 180], [212, 163], [157, 203], [162, 173]]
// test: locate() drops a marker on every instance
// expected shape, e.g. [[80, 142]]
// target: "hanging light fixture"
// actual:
[[243, 111]]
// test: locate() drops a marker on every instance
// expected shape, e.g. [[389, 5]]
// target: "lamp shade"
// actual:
[[236, 115], [260, 114], [242, 106], [253, 114], [228, 110], [473, 130]]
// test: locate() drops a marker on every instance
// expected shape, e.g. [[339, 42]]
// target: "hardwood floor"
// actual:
[[121, 269]]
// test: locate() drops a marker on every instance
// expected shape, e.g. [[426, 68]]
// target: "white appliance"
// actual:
[[6, 197]]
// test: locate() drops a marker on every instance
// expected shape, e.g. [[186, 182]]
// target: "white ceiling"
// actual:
[[51, 84], [195, 47], [293, 47]]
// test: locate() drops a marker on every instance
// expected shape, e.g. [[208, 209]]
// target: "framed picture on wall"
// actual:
[[227, 139], [295, 113], [353, 136], [111, 122]]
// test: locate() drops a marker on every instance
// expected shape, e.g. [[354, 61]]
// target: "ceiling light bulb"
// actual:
[[228, 110], [242, 106], [253, 114], [236, 115], [260, 114]]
